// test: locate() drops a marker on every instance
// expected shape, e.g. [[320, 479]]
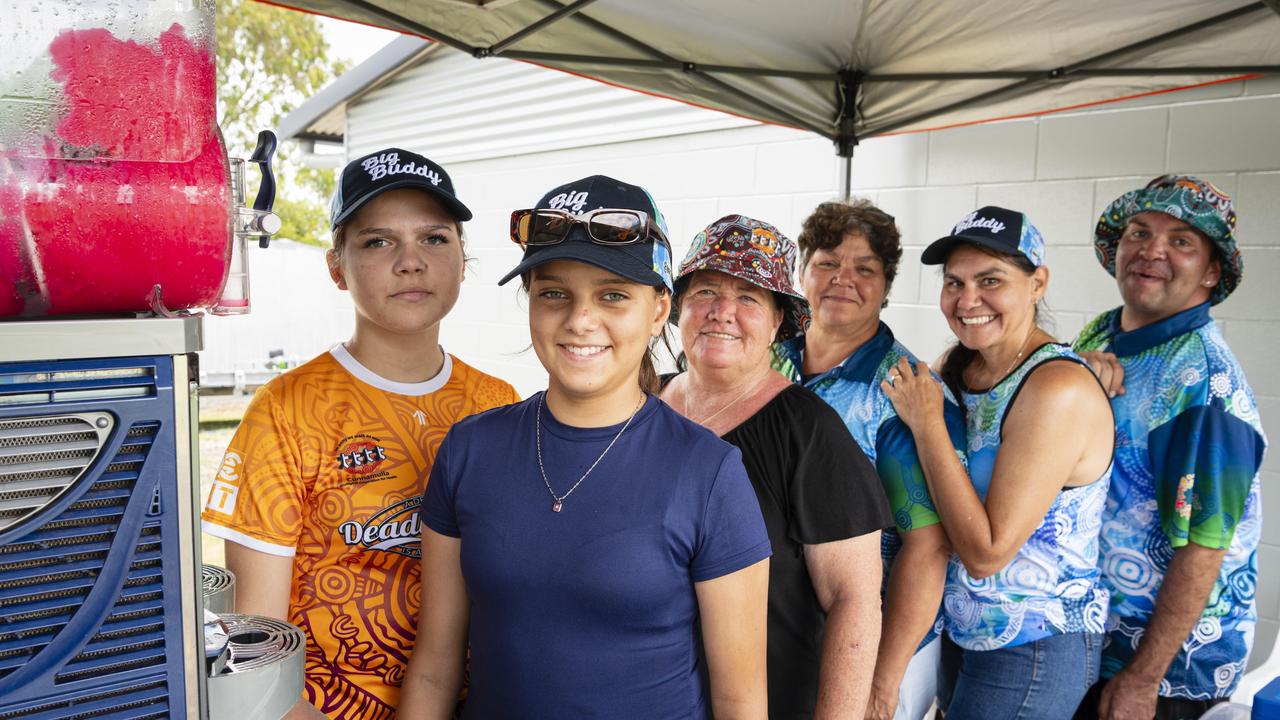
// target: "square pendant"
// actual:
[[556, 506]]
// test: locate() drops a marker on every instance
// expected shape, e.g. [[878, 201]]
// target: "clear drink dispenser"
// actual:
[[115, 186], [250, 221]]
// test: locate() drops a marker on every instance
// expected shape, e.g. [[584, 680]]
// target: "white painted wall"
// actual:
[[295, 307], [1061, 170]]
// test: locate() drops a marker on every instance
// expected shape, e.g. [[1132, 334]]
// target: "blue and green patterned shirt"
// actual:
[[1052, 585], [853, 389], [1189, 444]]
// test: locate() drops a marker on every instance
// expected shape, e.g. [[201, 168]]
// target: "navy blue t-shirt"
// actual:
[[590, 612]]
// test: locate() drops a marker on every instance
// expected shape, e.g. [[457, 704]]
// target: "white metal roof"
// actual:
[[455, 109], [322, 116]]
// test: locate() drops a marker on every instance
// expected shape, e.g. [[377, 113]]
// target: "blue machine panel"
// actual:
[[90, 621]]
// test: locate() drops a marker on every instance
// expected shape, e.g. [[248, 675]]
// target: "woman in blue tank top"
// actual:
[[1023, 603]]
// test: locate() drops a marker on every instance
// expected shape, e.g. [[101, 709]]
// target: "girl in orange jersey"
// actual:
[[319, 490]]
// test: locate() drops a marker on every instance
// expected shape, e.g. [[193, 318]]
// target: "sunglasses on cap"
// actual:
[[536, 227]]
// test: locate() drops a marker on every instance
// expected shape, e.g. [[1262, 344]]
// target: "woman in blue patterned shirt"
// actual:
[[849, 255], [1023, 600]]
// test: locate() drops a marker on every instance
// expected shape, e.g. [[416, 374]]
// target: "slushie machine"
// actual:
[[122, 220]]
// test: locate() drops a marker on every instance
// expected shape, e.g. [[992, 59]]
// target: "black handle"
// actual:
[[266, 198]]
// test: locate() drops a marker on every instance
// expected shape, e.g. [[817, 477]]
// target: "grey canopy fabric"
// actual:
[[851, 70]]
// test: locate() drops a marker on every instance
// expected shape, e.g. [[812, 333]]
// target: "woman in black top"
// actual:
[[822, 502]]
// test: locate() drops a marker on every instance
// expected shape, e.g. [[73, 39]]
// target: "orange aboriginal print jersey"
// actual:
[[328, 467]]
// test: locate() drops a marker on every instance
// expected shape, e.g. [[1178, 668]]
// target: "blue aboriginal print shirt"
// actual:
[[853, 389], [1189, 444], [1052, 585]]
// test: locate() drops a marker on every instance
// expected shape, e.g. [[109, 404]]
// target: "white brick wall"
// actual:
[[1004, 152], [1197, 129], [1258, 192], [1061, 170], [1109, 143]]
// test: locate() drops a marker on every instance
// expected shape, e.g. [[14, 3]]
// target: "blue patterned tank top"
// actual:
[[1052, 586]]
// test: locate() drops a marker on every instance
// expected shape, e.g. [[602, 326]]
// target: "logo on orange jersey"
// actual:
[[395, 528], [360, 454], [222, 494]]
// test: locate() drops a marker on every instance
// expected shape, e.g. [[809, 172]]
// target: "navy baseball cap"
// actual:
[[365, 178], [1005, 231], [647, 262]]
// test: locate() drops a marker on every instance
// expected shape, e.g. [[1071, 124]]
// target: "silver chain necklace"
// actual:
[[557, 503], [726, 406], [1016, 358]]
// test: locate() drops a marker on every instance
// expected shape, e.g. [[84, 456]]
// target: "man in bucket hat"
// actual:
[[1182, 522]]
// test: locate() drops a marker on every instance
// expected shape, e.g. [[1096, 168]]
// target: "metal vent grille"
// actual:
[[139, 702], [45, 577], [59, 386], [133, 635], [41, 457]]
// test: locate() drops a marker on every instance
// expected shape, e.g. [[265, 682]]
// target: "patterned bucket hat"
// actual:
[[1189, 199], [754, 251]]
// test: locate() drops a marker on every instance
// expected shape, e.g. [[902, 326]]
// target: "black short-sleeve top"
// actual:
[[814, 485]]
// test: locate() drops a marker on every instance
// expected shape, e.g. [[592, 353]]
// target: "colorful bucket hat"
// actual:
[[1189, 199], [754, 251]]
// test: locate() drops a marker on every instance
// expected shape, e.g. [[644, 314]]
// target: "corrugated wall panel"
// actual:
[[454, 108]]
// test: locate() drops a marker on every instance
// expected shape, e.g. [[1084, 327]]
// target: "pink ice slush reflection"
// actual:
[[152, 205]]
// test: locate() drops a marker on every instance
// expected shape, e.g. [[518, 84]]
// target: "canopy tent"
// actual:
[[851, 70]]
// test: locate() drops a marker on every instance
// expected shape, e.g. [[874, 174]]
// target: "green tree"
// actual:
[[270, 60]]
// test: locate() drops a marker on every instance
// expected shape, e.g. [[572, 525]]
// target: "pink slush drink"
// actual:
[[132, 192]]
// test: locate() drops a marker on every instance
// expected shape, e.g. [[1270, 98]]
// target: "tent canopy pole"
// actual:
[[848, 89], [689, 69], [414, 27], [540, 56], [1060, 73], [558, 15], [846, 176]]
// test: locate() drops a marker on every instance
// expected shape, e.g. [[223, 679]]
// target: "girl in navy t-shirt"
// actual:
[[591, 543]]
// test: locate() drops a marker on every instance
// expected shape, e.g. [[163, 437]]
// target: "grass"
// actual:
[[219, 417]]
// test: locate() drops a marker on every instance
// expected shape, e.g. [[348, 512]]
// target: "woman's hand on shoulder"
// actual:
[[916, 395]]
